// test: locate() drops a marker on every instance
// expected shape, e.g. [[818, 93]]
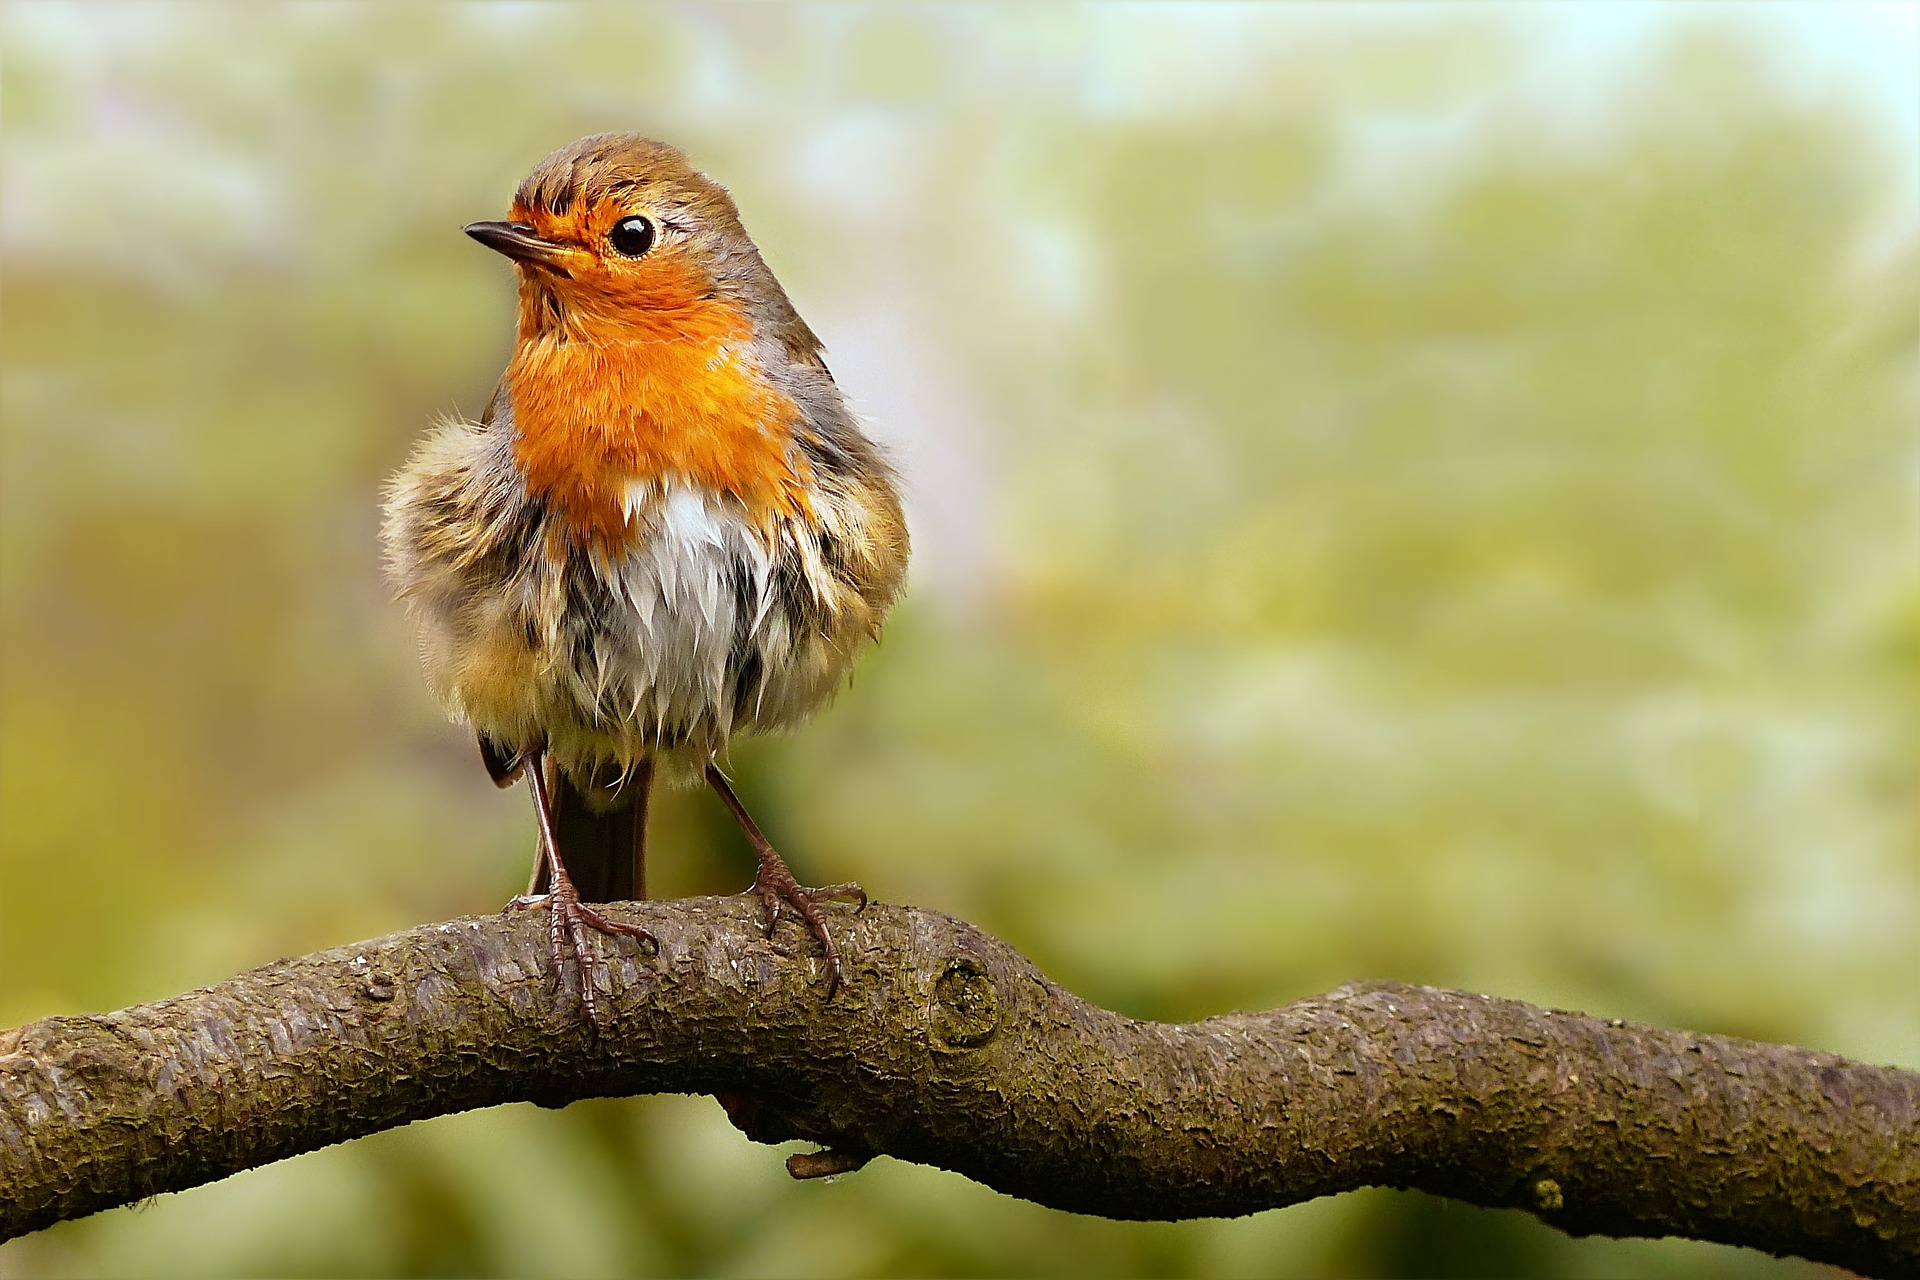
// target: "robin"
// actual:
[[665, 530]]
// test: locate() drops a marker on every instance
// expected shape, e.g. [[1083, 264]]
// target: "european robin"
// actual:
[[666, 529]]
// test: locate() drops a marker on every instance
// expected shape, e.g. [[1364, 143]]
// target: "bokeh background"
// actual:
[[1420, 492]]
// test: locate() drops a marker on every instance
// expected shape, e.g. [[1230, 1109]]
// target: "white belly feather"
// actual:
[[695, 588], [708, 627]]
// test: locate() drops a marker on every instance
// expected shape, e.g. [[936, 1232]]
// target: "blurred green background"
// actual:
[[1411, 492]]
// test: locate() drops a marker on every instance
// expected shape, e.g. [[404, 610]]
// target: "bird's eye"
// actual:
[[631, 236]]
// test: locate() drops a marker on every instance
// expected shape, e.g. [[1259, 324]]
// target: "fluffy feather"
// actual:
[[704, 621]]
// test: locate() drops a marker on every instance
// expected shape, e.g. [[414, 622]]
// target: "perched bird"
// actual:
[[666, 529]]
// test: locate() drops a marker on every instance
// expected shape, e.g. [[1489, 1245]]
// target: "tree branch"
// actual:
[[949, 1048]]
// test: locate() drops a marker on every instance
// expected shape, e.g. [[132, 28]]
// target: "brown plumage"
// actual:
[[666, 529]]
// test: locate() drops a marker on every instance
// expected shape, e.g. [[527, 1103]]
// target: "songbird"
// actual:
[[666, 529]]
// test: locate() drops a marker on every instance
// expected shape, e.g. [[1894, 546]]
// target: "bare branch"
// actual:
[[949, 1048]]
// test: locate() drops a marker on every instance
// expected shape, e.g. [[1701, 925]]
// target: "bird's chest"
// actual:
[[594, 422], [671, 587]]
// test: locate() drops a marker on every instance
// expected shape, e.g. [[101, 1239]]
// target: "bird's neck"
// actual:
[[604, 417]]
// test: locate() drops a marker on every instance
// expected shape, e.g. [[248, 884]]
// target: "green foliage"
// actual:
[[1375, 519]]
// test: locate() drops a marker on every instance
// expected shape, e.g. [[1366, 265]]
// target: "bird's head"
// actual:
[[618, 238]]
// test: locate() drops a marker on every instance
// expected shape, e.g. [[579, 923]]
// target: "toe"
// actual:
[[617, 928], [849, 892]]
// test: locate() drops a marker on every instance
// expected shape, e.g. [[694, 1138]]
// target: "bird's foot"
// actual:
[[776, 887], [569, 919]]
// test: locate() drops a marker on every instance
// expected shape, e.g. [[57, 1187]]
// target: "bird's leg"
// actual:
[[537, 879], [775, 884], [569, 917]]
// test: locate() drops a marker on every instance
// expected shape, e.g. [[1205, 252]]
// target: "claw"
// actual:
[[847, 892], [774, 885], [569, 920]]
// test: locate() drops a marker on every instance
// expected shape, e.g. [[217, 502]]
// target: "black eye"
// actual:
[[631, 236]]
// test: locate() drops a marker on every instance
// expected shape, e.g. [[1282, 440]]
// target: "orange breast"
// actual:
[[676, 397]]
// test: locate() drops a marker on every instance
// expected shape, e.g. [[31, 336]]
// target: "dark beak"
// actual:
[[518, 241]]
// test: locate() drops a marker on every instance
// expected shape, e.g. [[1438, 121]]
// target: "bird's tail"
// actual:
[[603, 841]]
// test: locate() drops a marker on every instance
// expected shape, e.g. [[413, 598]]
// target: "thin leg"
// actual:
[[569, 917], [537, 878], [775, 884]]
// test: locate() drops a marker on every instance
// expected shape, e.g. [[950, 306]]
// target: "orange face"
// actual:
[[631, 371], [607, 269]]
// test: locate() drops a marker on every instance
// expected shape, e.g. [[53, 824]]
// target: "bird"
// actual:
[[667, 529]]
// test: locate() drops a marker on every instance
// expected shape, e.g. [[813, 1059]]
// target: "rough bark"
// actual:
[[949, 1048]]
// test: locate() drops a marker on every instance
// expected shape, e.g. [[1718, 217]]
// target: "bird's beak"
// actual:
[[519, 241]]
